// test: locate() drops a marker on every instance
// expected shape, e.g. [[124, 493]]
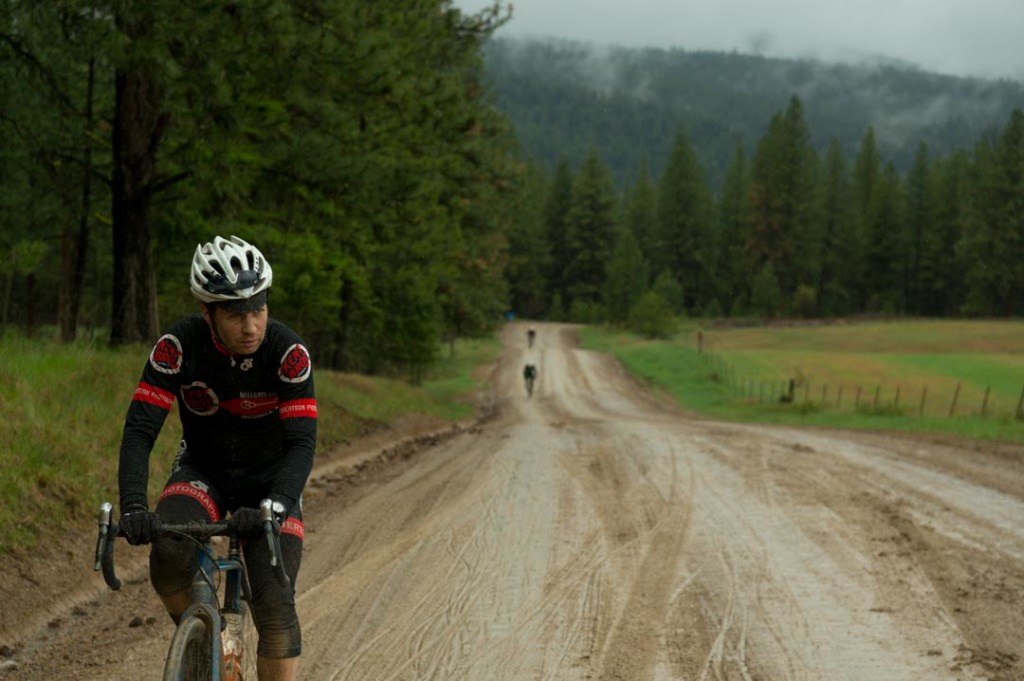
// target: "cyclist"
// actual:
[[248, 414], [531, 333], [529, 376]]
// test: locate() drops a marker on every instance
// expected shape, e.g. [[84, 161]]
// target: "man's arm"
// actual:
[[297, 410], [151, 402]]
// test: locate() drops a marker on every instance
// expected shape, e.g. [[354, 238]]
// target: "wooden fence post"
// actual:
[[956, 394], [856, 401], [924, 394], [1020, 405], [896, 402], [984, 402]]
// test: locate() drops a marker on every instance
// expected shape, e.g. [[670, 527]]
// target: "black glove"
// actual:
[[246, 522], [140, 526]]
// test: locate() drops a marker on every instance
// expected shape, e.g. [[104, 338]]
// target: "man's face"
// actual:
[[241, 332]]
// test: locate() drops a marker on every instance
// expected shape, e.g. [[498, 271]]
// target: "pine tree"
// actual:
[[590, 232], [839, 244], [885, 253], [684, 212], [732, 269], [626, 280], [941, 275], [640, 213], [529, 256], [556, 211], [867, 172], [782, 200], [994, 240], [920, 221]]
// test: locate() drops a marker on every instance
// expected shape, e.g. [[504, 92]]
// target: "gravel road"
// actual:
[[592, 531]]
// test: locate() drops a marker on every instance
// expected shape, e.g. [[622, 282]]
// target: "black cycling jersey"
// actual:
[[248, 421]]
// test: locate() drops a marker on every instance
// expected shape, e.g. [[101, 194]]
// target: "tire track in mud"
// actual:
[[822, 575]]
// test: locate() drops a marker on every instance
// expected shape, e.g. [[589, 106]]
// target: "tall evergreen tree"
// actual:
[[684, 214], [920, 220], [529, 255], [885, 254], [590, 232], [732, 268], [640, 213], [839, 245], [867, 172], [627, 277], [994, 240], [782, 200], [941, 277], [556, 211]]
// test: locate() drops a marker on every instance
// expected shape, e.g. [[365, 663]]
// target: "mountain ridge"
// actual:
[[566, 97]]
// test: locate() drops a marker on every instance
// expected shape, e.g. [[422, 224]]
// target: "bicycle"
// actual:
[[529, 376], [208, 644]]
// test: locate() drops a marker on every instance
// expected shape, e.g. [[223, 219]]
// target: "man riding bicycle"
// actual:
[[248, 413], [529, 376]]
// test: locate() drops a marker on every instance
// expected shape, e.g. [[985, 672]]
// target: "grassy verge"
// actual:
[[907, 375], [62, 410]]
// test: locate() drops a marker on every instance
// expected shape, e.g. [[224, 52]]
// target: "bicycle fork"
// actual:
[[225, 638], [231, 634]]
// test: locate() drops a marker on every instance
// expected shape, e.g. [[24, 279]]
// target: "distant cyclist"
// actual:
[[244, 383], [529, 376], [531, 333]]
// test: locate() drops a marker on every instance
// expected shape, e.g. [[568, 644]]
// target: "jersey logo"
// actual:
[[199, 398], [295, 365], [166, 355]]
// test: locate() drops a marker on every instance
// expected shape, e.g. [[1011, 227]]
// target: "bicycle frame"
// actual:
[[204, 595], [203, 604]]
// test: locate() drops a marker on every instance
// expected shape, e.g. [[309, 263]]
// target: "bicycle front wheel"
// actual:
[[189, 658]]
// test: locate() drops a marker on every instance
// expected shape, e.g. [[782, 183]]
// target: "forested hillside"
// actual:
[[566, 98]]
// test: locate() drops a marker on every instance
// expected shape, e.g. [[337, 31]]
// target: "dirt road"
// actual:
[[592, 532]]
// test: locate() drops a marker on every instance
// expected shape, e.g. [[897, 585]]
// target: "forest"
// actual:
[[375, 156], [351, 142]]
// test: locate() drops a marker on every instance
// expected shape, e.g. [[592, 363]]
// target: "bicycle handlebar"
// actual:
[[200, 530]]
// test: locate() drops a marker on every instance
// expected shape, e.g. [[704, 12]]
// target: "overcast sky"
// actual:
[[957, 37]]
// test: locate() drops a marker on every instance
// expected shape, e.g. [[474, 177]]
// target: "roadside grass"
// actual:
[[62, 411], [898, 375]]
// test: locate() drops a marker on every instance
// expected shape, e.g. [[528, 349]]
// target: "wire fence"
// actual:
[[943, 399]]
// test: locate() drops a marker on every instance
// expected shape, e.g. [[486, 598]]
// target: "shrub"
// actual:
[[652, 317], [805, 301]]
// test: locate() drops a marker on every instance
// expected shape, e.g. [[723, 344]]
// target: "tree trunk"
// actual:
[[138, 128]]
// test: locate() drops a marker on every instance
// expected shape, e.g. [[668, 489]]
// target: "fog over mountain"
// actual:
[[565, 97], [980, 38]]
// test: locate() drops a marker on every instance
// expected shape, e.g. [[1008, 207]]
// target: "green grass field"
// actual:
[[62, 410], [904, 375]]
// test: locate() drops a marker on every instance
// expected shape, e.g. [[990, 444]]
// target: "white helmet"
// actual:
[[226, 271]]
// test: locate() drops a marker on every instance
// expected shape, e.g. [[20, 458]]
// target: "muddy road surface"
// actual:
[[591, 531]]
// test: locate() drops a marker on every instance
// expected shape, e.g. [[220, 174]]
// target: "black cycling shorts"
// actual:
[[190, 496]]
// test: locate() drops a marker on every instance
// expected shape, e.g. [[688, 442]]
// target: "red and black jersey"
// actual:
[[248, 421]]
